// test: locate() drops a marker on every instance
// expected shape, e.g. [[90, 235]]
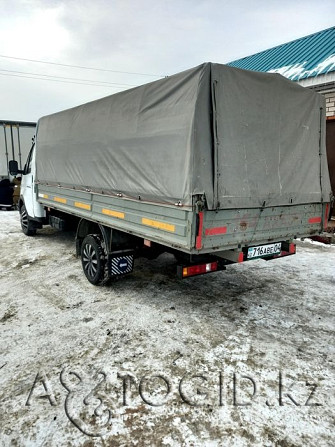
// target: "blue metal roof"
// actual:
[[306, 57]]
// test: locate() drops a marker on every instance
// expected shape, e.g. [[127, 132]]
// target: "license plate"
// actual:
[[264, 250]]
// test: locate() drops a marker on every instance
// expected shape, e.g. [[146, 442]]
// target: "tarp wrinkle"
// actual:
[[164, 142]]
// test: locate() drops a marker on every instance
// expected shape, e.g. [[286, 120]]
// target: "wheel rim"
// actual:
[[90, 260], [24, 219]]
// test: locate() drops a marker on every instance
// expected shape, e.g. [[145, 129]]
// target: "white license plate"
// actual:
[[264, 250]]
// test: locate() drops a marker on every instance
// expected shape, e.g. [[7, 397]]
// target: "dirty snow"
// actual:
[[153, 360]]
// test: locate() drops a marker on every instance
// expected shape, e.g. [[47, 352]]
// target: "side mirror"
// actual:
[[14, 168]]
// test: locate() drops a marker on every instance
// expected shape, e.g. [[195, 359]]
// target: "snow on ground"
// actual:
[[241, 357]]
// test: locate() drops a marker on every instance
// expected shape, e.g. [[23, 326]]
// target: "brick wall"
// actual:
[[330, 103]]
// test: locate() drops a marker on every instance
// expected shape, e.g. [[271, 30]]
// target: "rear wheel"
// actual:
[[28, 227], [94, 260]]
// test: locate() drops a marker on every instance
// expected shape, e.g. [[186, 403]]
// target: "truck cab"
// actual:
[[32, 213]]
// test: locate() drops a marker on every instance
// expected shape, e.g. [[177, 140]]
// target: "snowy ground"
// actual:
[[241, 357]]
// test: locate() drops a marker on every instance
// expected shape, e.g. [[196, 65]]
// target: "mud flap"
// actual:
[[120, 262]]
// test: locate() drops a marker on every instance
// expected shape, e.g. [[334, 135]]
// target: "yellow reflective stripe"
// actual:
[[43, 196], [160, 225], [112, 213], [60, 199], [84, 206]]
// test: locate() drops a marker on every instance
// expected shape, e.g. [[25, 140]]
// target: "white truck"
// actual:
[[215, 164]]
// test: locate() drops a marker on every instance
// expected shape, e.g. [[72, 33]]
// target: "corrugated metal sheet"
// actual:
[[306, 57]]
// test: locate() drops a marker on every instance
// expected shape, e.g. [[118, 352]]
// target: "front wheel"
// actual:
[[94, 260], [28, 227]]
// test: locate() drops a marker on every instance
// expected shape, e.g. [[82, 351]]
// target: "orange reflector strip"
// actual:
[[314, 220], [43, 196], [112, 213], [216, 230], [240, 257], [160, 225], [60, 199], [84, 206]]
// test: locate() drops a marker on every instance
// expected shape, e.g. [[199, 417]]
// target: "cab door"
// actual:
[[28, 188]]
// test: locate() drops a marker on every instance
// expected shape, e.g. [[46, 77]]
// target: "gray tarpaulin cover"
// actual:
[[244, 139]]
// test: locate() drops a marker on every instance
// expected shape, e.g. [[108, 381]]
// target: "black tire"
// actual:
[[94, 260], [28, 227]]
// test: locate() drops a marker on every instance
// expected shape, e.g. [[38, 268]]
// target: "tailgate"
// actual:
[[227, 229]]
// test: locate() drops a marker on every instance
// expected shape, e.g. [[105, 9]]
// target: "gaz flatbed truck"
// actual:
[[216, 165]]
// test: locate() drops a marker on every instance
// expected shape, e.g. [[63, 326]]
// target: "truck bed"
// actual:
[[189, 230]]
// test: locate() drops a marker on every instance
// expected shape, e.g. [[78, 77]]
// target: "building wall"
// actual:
[[330, 103], [324, 84]]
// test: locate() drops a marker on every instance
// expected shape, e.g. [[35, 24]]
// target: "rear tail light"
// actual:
[[199, 269], [292, 249]]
